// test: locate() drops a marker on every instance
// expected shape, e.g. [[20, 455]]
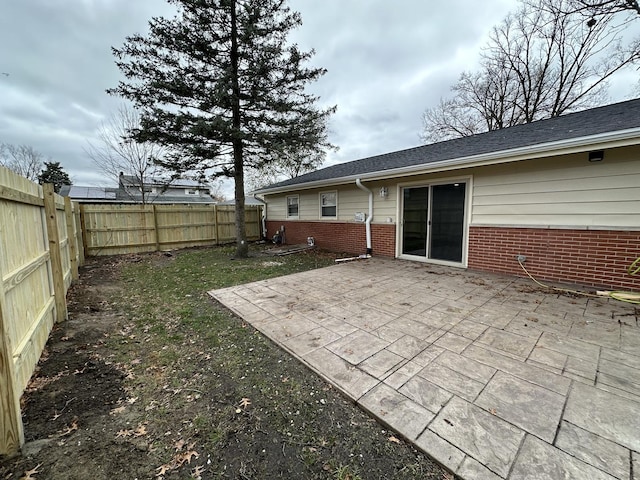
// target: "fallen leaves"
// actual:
[[70, 429], [186, 456], [163, 469], [244, 403], [197, 472], [40, 382], [117, 410], [139, 431], [180, 458], [28, 474]]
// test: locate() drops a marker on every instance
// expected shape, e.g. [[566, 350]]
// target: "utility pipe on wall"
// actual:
[[370, 216]]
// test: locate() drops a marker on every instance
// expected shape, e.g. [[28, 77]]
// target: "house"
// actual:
[[129, 190], [248, 202], [562, 192], [158, 190]]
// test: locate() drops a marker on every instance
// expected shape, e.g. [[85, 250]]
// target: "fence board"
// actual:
[[28, 299], [11, 429], [56, 250], [71, 237], [110, 229]]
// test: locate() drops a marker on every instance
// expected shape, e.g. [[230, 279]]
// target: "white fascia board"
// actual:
[[620, 138]]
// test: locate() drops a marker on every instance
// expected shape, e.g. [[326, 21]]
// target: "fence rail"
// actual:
[[110, 229], [39, 257]]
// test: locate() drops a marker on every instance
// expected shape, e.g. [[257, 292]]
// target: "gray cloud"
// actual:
[[386, 61]]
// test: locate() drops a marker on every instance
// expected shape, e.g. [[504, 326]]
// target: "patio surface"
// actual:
[[491, 376]]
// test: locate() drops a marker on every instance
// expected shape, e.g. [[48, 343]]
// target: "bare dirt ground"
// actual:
[[151, 379]]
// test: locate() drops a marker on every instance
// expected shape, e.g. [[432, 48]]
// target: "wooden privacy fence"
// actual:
[[43, 240], [39, 257], [110, 229]]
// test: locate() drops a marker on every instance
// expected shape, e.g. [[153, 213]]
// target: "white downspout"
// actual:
[[370, 216]]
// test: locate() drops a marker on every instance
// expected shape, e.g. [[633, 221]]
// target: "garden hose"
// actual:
[[634, 268], [628, 297]]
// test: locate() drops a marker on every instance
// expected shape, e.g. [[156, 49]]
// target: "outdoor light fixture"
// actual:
[[596, 156], [384, 192]]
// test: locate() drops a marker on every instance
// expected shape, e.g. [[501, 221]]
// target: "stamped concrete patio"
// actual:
[[491, 376]]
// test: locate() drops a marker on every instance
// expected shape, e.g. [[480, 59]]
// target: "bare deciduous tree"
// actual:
[[216, 190], [115, 151], [596, 8], [22, 159], [539, 63], [287, 165]]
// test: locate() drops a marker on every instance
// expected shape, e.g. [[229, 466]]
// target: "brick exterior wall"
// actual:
[[598, 258], [342, 237]]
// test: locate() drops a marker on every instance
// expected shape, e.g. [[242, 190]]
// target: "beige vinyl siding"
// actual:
[[561, 191], [350, 200], [277, 207]]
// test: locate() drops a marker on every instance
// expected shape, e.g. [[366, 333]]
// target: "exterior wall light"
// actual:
[[596, 156], [384, 192]]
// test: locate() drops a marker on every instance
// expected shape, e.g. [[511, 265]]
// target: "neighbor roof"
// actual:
[[585, 128], [248, 201], [90, 193], [119, 195], [177, 183]]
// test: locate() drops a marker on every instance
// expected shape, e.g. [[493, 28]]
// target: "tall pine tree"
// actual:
[[222, 88]]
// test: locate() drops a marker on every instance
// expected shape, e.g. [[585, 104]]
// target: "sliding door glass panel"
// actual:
[[415, 217], [447, 221]]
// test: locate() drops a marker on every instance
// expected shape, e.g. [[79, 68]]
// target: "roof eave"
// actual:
[[618, 138]]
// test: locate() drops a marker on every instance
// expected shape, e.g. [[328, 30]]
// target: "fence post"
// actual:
[[11, 428], [215, 223], [78, 233], [83, 230], [71, 236], [155, 226], [54, 252]]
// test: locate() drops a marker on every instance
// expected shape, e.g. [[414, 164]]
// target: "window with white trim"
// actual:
[[329, 204], [292, 206]]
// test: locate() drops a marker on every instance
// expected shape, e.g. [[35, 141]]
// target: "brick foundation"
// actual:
[[598, 258], [342, 237]]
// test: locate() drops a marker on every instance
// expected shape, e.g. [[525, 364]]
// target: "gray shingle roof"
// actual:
[[601, 120], [248, 201], [91, 193]]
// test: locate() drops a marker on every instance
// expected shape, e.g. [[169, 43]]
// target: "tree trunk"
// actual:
[[242, 248]]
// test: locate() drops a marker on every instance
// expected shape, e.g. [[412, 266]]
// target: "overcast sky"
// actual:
[[387, 61]]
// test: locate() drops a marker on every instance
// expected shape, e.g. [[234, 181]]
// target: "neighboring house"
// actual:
[[161, 191], [248, 202], [129, 191], [564, 192]]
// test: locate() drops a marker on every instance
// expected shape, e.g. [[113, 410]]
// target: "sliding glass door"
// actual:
[[433, 221]]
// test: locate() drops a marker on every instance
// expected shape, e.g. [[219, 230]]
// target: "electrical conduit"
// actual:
[[369, 216]]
